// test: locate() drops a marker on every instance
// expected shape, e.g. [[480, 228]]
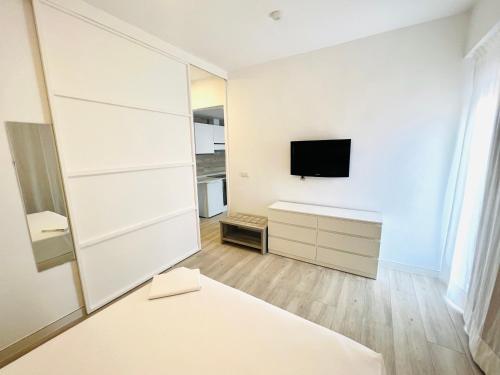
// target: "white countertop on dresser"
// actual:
[[343, 213]]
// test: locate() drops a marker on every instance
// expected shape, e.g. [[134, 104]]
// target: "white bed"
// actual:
[[218, 330]]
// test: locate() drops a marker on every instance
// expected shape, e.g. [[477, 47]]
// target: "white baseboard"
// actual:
[[30, 342], [409, 268]]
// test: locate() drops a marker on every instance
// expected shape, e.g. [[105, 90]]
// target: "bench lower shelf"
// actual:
[[244, 234]]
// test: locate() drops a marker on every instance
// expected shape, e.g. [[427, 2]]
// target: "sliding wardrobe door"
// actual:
[[123, 129]]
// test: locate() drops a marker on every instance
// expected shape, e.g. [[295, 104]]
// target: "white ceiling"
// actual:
[[238, 33]]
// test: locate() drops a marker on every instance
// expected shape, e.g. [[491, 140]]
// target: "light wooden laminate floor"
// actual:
[[401, 315]]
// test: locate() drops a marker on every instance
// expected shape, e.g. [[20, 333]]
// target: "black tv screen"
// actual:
[[323, 158]]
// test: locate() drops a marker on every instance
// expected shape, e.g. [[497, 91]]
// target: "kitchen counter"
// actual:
[[207, 180], [222, 172], [211, 178]]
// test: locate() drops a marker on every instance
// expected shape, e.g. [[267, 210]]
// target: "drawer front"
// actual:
[[358, 245], [292, 248], [366, 266], [293, 218], [292, 232], [359, 228]]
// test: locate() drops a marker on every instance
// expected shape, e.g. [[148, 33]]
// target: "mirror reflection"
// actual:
[[37, 166]]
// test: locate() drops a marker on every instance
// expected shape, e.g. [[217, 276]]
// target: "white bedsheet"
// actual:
[[216, 331]]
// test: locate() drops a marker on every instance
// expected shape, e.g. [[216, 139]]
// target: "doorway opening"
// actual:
[[208, 103]]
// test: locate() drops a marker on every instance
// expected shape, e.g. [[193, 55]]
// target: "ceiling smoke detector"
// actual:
[[275, 15]]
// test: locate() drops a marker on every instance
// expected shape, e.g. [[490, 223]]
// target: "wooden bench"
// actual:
[[245, 229]]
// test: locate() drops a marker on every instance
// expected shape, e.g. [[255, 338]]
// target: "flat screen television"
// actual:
[[322, 158]]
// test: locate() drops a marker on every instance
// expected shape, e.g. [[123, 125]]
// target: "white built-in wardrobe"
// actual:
[[120, 105]]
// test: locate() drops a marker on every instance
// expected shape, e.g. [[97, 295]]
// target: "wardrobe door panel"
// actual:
[[94, 63], [130, 137], [117, 201], [123, 128]]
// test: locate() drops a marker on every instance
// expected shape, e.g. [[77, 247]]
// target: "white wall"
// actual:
[[29, 300], [208, 92], [397, 95], [484, 15]]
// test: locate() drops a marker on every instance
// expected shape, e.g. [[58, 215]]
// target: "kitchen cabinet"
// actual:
[[204, 138], [210, 197], [219, 134]]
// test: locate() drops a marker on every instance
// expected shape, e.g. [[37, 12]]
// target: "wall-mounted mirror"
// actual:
[[36, 163]]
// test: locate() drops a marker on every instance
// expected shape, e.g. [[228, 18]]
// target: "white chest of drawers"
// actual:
[[340, 238]]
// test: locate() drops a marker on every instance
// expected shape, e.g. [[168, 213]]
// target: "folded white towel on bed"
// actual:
[[178, 281]]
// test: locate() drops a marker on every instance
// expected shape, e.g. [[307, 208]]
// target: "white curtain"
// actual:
[[482, 305], [472, 247], [471, 163]]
